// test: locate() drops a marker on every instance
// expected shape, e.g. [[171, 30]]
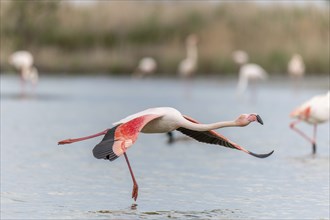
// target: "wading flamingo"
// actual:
[[23, 62], [188, 66], [161, 120], [147, 66], [171, 139], [296, 70], [240, 57], [314, 111], [248, 73], [296, 66]]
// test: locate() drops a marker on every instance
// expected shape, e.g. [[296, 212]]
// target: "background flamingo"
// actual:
[[23, 62], [188, 66], [147, 66], [296, 70], [171, 139], [248, 73], [161, 120], [296, 66], [314, 111], [240, 57]]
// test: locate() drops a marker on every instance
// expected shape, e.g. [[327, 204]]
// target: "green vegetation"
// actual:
[[111, 37]]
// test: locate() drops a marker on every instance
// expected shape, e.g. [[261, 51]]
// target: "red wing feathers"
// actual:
[[121, 137]]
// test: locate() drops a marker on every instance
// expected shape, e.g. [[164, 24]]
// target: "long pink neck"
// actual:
[[208, 127]]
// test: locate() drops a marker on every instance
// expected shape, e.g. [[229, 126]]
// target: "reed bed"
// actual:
[[111, 36]]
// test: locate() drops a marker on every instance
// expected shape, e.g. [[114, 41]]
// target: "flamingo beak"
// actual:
[[259, 119]]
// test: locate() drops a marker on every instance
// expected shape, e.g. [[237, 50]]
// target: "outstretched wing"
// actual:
[[121, 137], [212, 137]]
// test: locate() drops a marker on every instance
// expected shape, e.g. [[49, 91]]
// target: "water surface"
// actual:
[[188, 180]]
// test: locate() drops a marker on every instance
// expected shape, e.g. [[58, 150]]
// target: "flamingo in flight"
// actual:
[[314, 111], [125, 132]]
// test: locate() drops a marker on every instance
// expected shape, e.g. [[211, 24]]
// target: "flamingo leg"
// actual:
[[170, 137], [135, 185], [187, 82], [253, 91], [312, 141], [22, 84], [72, 140]]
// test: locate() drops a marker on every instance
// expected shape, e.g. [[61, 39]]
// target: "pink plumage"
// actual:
[[118, 139]]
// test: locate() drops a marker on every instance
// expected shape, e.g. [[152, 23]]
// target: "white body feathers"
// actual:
[[319, 109]]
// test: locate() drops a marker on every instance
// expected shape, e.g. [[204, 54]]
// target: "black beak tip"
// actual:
[[259, 120]]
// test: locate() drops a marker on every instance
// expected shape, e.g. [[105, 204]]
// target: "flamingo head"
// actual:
[[192, 39], [240, 57], [245, 119], [297, 56]]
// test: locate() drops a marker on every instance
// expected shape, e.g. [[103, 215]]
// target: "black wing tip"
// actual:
[[103, 150], [261, 155]]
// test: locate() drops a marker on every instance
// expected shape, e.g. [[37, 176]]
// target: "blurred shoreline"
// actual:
[[111, 37]]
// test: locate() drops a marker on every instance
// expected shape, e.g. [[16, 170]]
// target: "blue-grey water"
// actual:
[[187, 180]]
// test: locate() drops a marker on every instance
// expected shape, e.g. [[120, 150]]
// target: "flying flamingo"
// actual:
[[147, 66], [23, 62], [161, 120], [249, 72], [296, 69], [314, 111]]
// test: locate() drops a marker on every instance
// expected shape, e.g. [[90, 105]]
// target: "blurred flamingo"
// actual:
[[171, 139], [147, 66], [314, 111], [188, 66], [240, 57], [296, 69], [161, 120], [23, 62], [249, 72]]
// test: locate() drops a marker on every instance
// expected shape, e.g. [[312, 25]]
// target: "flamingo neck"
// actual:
[[242, 83], [207, 127], [192, 53]]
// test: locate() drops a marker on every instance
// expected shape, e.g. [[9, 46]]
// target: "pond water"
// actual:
[[186, 180]]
